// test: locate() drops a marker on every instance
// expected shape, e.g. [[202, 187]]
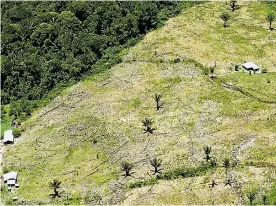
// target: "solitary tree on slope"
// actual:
[[225, 17], [156, 163], [157, 98], [147, 123], [270, 17], [55, 185], [126, 167]]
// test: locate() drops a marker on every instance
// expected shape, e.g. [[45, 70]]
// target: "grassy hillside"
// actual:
[[82, 137]]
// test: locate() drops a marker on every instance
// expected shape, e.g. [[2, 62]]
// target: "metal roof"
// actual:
[[250, 65], [8, 136], [10, 176]]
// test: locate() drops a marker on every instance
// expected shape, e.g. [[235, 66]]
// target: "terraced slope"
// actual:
[[83, 135]]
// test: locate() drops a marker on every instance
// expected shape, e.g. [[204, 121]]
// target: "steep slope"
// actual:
[[82, 137]]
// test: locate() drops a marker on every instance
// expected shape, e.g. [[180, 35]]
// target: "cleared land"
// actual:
[[84, 134]]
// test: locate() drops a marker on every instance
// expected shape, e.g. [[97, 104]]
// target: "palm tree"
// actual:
[[270, 17], [212, 70], [233, 5], [156, 163], [264, 199], [157, 98], [213, 183], [225, 17], [228, 182], [207, 150], [126, 167], [55, 185], [251, 196], [213, 162], [147, 123], [226, 163]]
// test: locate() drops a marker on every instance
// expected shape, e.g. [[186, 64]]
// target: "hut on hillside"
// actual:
[[250, 66], [8, 137], [10, 178]]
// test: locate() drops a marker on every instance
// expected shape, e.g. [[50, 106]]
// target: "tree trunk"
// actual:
[[270, 25]]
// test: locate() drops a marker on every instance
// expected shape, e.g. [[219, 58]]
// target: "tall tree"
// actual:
[[127, 167], [157, 98], [55, 185], [207, 150], [156, 163], [147, 123], [270, 17]]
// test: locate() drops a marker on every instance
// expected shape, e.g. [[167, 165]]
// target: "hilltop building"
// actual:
[[8, 137], [250, 66]]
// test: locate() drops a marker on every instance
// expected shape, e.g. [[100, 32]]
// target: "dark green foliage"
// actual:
[[205, 70], [177, 60], [172, 174], [55, 185], [184, 172], [46, 45], [126, 167], [251, 197], [147, 123], [207, 150], [225, 17], [16, 132], [264, 199], [226, 163], [213, 162], [156, 163], [142, 183]]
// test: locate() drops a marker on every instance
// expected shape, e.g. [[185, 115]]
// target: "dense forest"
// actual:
[[47, 45]]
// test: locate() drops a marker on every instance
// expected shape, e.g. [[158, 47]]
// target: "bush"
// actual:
[[184, 172], [205, 70], [177, 60], [142, 183], [237, 67], [16, 132], [264, 70], [7, 169]]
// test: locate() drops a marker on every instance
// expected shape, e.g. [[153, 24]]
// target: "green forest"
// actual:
[[49, 45]]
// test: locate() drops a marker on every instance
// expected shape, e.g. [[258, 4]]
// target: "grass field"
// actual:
[[84, 134]]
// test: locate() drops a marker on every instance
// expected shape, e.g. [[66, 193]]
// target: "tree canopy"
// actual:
[[47, 44]]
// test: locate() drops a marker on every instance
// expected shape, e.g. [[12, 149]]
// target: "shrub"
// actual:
[[205, 70], [142, 183], [237, 67], [184, 172], [7, 169], [225, 17], [264, 71], [16, 132], [177, 60]]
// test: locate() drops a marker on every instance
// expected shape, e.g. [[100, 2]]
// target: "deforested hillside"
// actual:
[[178, 121]]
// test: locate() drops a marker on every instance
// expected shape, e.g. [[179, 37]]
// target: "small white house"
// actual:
[[8, 137], [10, 177], [250, 66], [11, 182]]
